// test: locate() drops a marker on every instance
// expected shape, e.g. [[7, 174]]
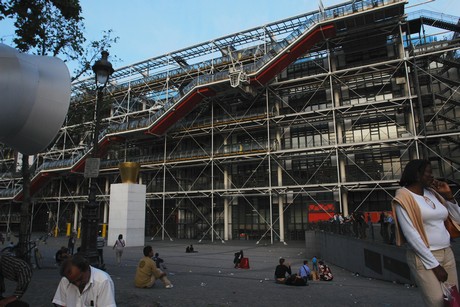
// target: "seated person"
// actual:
[[325, 272], [304, 271], [295, 280], [281, 271], [158, 261], [147, 272], [61, 255], [16, 271], [237, 259], [190, 249]]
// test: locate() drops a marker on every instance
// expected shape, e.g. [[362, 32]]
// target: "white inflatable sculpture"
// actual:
[[34, 99]]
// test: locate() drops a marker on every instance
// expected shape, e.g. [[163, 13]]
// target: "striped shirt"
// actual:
[[17, 270], [100, 242]]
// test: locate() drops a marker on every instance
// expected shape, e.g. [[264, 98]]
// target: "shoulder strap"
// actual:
[[405, 199]]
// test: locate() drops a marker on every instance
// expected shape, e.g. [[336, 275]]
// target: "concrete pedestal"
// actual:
[[127, 213]]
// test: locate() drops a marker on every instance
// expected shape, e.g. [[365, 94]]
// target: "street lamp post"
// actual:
[[90, 219]]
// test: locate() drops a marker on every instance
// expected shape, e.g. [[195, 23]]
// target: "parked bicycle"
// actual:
[[32, 250]]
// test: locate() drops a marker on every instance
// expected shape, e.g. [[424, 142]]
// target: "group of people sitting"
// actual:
[[284, 275], [190, 249]]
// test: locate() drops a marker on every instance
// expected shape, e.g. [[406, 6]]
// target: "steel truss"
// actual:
[[335, 127]]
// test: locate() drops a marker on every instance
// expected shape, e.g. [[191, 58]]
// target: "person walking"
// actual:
[[382, 225], [420, 207], [71, 243], [100, 243], [370, 226], [119, 246], [392, 229]]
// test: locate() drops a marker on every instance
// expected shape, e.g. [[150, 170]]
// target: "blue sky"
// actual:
[[149, 28]]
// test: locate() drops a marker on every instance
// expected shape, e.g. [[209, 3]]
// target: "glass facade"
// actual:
[[330, 131]]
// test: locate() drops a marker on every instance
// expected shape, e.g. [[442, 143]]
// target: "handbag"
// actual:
[[451, 295], [452, 227]]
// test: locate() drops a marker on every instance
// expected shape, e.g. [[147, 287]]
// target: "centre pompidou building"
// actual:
[[260, 133]]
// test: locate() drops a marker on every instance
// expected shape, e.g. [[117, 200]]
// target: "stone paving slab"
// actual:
[[207, 278]]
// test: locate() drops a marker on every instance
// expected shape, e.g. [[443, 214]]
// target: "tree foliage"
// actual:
[[54, 28], [46, 27]]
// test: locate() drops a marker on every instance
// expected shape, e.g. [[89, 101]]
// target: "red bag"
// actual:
[[451, 295], [244, 263]]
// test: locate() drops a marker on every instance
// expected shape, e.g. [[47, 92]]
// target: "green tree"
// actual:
[[52, 28], [46, 27]]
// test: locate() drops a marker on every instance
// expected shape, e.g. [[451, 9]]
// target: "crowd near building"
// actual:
[[258, 134]]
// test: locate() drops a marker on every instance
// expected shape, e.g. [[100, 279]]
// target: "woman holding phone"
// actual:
[[421, 206]]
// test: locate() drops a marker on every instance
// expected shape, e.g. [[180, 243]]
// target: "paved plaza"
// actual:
[[207, 278]]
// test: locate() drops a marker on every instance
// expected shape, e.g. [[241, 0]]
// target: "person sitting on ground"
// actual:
[[16, 270], [159, 261], [61, 255], [237, 259], [192, 250], [281, 270], [187, 249], [325, 272], [304, 271], [147, 272], [296, 280]]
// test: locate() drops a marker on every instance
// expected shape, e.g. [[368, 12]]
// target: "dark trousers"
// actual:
[[101, 256], [16, 303]]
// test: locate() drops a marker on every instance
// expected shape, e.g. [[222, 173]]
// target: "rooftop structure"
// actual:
[[256, 134]]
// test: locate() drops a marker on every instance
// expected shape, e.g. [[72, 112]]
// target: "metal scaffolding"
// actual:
[[246, 136]]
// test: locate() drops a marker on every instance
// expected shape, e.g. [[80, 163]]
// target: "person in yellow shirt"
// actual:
[[147, 272]]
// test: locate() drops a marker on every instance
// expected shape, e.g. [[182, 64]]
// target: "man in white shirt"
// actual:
[[83, 285]]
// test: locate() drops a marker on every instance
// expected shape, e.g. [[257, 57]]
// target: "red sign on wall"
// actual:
[[320, 212]]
